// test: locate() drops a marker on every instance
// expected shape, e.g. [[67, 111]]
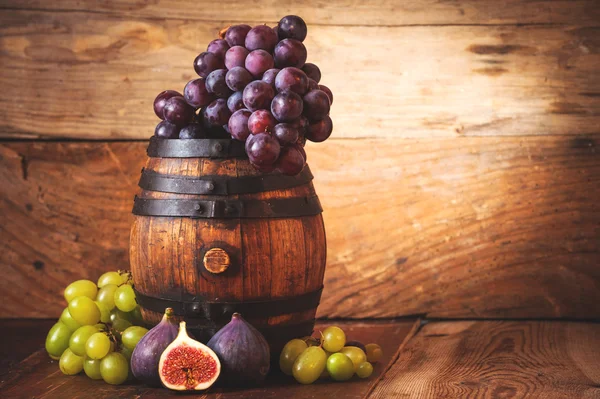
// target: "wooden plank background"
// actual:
[[462, 179]]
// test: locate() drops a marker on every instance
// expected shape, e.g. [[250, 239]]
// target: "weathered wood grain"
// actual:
[[467, 227], [39, 377], [345, 12], [94, 75], [497, 359]]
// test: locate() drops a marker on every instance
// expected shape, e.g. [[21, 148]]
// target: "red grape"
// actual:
[[218, 47], [287, 106], [289, 53], [316, 105], [235, 101], [216, 114], [293, 79], [216, 84], [261, 121], [236, 56], [258, 95], [261, 37], [290, 162], [207, 62], [238, 124], [312, 84], [328, 92], [236, 34], [292, 27], [286, 133], [257, 62], [320, 131], [161, 99], [166, 130], [177, 111], [300, 148], [237, 78], [192, 131], [312, 71], [262, 149], [270, 75], [196, 95]]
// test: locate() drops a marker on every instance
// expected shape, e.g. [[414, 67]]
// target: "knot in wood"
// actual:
[[216, 260]]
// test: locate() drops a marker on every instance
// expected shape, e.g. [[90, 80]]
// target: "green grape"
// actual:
[[70, 363], [100, 326], [80, 337], [121, 325], [57, 339], [290, 353], [355, 354], [127, 353], [104, 312], [136, 316], [340, 367], [334, 339], [97, 346], [91, 367], [114, 368], [365, 369], [125, 298], [68, 320], [110, 278], [117, 314], [106, 296], [132, 335], [81, 288], [374, 353], [309, 365], [125, 277], [84, 311]]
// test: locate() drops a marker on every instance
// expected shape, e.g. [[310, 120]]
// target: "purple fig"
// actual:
[[146, 355], [243, 351]]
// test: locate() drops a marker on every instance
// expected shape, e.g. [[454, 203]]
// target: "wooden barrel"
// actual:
[[213, 236]]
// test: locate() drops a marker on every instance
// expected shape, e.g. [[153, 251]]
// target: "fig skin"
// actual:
[[243, 351], [146, 355]]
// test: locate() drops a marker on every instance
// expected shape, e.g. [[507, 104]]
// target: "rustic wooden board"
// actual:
[[496, 359], [30, 336], [95, 75], [469, 227], [39, 377], [345, 12]]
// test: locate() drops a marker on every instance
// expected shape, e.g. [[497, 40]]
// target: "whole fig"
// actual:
[[243, 351], [146, 355]]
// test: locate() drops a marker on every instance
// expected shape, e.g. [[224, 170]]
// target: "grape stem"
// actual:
[[322, 339], [223, 31]]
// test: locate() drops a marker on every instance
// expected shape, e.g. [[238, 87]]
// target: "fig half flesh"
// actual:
[[187, 364]]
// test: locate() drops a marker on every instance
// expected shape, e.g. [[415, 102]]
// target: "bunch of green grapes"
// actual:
[[99, 329], [309, 359]]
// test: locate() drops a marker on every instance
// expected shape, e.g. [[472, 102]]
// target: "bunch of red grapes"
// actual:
[[255, 86]]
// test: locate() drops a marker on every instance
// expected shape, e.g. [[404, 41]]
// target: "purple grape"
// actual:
[[301, 124], [207, 62], [237, 78], [177, 111], [312, 71], [261, 121], [236, 57], [328, 92], [218, 47], [293, 79], [238, 124], [287, 106], [290, 162], [292, 27], [261, 37], [235, 101], [262, 149], [300, 148], [216, 84], [196, 95], [270, 75], [320, 131], [192, 131], [275, 30], [216, 114], [289, 53], [316, 105], [236, 35], [312, 85], [286, 133], [258, 61], [258, 95], [161, 99], [166, 130]]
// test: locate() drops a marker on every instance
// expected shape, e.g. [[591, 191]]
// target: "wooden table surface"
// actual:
[[423, 359]]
